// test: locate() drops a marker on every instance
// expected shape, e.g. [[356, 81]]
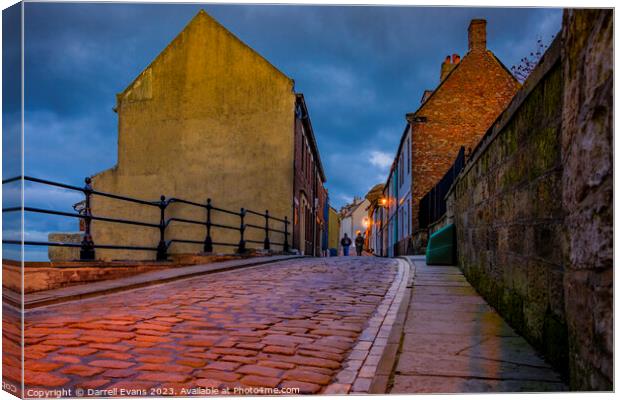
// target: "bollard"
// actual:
[[87, 249], [161, 247], [266, 245], [208, 247], [241, 248]]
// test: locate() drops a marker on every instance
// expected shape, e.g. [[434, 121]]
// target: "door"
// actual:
[[302, 223]]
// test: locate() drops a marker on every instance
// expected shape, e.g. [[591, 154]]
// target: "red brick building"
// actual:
[[472, 92], [309, 195]]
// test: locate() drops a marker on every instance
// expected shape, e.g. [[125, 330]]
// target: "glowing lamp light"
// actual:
[[383, 202], [366, 222]]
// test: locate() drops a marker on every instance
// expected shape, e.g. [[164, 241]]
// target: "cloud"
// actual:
[[53, 198], [66, 149], [381, 159], [11, 144], [333, 85], [40, 196], [29, 235], [353, 174], [344, 198], [361, 70]]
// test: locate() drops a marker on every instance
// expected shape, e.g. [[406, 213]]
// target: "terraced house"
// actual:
[[211, 118], [310, 195], [472, 92]]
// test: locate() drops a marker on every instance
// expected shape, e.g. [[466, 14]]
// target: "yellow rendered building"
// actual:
[[208, 118]]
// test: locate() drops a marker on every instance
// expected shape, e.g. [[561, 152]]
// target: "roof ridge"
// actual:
[[200, 14]]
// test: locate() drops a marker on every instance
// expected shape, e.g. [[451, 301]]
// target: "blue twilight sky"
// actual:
[[361, 70]]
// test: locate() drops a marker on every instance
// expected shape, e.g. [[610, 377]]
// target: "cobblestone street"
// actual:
[[286, 325]]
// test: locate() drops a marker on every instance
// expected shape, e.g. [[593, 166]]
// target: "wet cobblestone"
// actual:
[[287, 325]]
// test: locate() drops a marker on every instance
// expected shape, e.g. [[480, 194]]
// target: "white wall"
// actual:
[[353, 223], [359, 214], [345, 227]]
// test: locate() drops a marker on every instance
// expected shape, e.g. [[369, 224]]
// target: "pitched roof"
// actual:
[[201, 15], [452, 72], [313, 146], [429, 94], [349, 209]]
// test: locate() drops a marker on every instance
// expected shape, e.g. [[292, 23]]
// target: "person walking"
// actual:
[[345, 243], [359, 243]]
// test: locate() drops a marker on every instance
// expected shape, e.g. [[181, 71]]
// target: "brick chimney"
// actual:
[[446, 67], [477, 35]]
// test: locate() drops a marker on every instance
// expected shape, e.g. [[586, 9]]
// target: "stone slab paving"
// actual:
[[286, 325], [454, 342]]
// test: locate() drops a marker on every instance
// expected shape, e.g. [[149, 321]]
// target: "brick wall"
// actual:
[[533, 222], [457, 114], [307, 184]]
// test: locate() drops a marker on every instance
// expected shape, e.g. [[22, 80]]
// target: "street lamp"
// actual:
[[366, 222]]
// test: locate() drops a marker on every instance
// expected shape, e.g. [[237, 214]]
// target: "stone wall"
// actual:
[[533, 206], [587, 195], [59, 253], [44, 275], [509, 222]]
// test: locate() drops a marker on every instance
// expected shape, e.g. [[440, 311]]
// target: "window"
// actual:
[[303, 155], [400, 170], [408, 156], [309, 159], [408, 217]]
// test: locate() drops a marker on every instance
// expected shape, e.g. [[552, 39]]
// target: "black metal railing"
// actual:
[[88, 245], [433, 204]]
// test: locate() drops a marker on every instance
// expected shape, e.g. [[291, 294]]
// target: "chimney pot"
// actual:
[[455, 58], [477, 34], [446, 67]]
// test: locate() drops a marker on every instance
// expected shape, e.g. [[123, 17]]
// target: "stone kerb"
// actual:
[[363, 361]]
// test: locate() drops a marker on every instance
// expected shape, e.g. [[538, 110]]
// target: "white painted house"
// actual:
[[352, 218]]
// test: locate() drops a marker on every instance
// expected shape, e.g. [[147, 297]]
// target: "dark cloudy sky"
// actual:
[[361, 70]]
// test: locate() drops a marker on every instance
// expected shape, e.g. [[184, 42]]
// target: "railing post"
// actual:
[[267, 245], [286, 234], [87, 251], [241, 248], [208, 248], [161, 247]]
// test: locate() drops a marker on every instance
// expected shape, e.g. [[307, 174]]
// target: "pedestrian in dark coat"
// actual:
[[345, 243], [359, 243]]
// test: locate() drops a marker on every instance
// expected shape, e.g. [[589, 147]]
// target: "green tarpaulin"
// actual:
[[441, 249]]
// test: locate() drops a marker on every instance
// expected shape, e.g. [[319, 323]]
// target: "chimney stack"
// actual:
[[448, 65], [477, 35]]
